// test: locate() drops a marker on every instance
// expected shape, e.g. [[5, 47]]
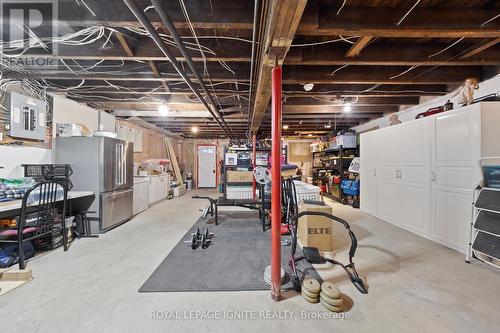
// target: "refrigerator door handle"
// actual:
[[124, 165], [117, 167]]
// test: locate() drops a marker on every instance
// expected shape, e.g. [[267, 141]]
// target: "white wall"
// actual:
[[11, 159], [68, 111], [65, 111], [486, 87]]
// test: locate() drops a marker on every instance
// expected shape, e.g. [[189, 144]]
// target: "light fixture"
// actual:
[[194, 129], [309, 135], [163, 110], [285, 127], [329, 125], [308, 86], [347, 107]]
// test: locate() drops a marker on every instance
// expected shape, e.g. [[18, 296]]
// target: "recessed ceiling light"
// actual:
[[194, 129], [310, 134], [285, 127], [163, 110], [347, 107], [308, 86]]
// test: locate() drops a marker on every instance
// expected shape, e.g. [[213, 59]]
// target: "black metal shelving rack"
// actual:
[[225, 167], [344, 158]]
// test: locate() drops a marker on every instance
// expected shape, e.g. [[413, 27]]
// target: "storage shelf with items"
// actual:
[[331, 159], [237, 170], [485, 226]]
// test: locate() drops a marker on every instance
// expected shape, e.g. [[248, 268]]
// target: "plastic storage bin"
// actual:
[[491, 176], [239, 192], [350, 187]]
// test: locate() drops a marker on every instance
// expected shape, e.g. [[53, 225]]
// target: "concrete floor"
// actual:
[[415, 285]]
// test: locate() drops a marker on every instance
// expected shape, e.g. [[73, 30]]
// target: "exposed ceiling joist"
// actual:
[[393, 54], [481, 47], [284, 18], [449, 22], [358, 46]]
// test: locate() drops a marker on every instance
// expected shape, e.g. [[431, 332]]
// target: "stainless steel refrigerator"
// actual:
[[105, 166]]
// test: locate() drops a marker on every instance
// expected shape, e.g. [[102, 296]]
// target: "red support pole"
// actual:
[[276, 185], [254, 164]]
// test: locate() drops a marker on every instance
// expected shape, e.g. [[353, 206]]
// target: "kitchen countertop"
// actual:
[[16, 204]]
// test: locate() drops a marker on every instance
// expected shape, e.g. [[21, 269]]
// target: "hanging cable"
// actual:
[[341, 7], [407, 13], [338, 69], [404, 72], [446, 48]]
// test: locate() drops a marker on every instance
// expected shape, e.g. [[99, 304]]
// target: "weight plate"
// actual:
[[193, 242], [203, 242], [310, 299], [309, 294], [311, 285], [267, 275], [331, 301], [330, 290], [330, 307]]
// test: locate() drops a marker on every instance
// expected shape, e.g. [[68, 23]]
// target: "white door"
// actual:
[[454, 149], [206, 166], [388, 174], [368, 172], [415, 176]]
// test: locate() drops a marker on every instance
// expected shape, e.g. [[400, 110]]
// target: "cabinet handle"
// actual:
[[374, 172], [433, 176]]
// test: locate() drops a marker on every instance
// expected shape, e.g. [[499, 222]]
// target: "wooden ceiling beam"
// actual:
[[359, 45], [283, 20], [124, 44], [378, 75], [388, 75], [394, 54], [450, 22], [221, 14], [481, 47]]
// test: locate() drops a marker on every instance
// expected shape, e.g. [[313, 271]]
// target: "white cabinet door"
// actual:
[[452, 187], [154, 192], [368, 189], [141, 197], [388, 171], [368, 172], [162, 187], [415, 176], [368, 148]]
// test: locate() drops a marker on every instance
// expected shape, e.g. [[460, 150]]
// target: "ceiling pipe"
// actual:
[[141, 17], [177, 38], [254, 37]]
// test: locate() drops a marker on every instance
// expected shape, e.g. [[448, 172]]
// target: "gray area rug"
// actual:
[[235, 261]]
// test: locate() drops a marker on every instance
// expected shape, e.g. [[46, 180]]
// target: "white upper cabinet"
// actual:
[[368, 149]]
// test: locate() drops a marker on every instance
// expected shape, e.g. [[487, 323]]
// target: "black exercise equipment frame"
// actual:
[[255, 204], [349, 268]]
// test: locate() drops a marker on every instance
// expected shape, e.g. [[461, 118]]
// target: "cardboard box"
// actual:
[[239, 176], [316, 231]]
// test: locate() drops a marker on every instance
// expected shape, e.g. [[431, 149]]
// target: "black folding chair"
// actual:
[[43, 207]]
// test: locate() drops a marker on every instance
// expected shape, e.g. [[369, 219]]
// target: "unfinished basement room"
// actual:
[[250, 166]]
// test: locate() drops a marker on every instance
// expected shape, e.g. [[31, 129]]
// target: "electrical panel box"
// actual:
[[27, 117]]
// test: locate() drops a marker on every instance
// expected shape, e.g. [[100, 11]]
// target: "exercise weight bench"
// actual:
[[213, 208]]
